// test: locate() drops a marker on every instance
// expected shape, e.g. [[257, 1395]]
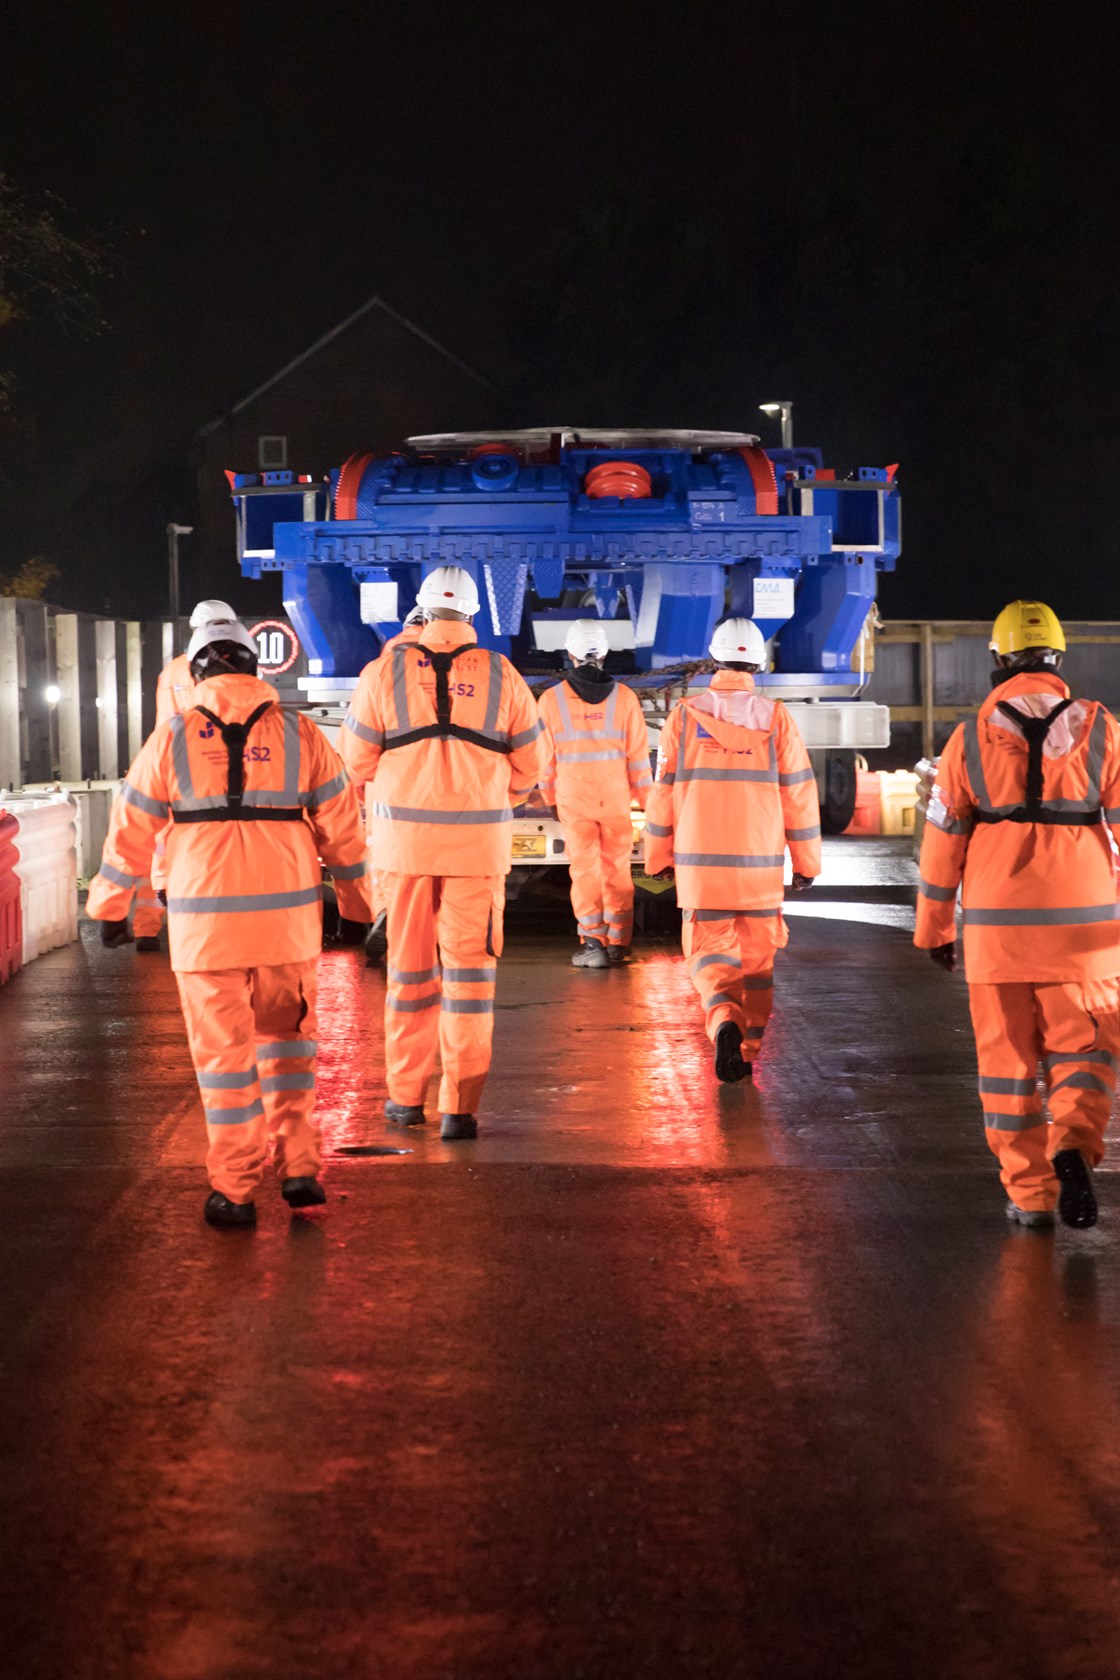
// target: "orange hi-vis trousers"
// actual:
[[602, 886], [730, 957], [252, 1038], [1073, 1029], [454, 921]]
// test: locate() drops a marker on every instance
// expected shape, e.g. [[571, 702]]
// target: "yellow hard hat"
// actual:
[[1025, 625]]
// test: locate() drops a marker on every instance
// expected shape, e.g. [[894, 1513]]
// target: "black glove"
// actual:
[[162, 896], [116, 933], [801, 883], [669, 874], [350, 933], [945, 956]]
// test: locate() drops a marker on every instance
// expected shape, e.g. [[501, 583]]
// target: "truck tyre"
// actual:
[[836, 785]]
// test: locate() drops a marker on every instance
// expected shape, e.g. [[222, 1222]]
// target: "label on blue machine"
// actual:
[[773, 597], [377, 602]]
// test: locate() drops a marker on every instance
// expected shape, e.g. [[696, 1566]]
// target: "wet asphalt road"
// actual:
[[653, 1379]]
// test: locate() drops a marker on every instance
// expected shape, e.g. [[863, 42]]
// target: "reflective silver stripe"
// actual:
[[118, 876], [270, 799], [154, 807], [411, 976], [1074, 917], [525, 737], [227, 1081], [287, 1047], [291, 756], [180, 757], [416, 813], [1083, 1082], [347, 871], [1095, 761], [375, 737], [567, 732], [236, 903], [791, 778], [718, 1000], [728, 961], [400, 688], [470, 976], [204, 802], [639, 763], [1014, 1122], [493, 694], [412, 1006], [233, 1116], [758, 982], [813, 833], [1008, 1087], [943, 895], [668, 778], [467, 1006], [725, 915], [288, 1082], [950, 826], [326, 790], [619, 918], [1112, 815], [974, 764], [588, 757], [729, 860], [703, 774], [1101, 1058]]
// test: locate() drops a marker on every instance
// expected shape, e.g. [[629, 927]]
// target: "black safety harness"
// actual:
[[443, 729], [1034, 809], [234, 737]]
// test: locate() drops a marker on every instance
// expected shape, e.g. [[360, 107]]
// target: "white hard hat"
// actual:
[[587, 639], [738, 641], [448, 588], [220, 630], [212, 612]]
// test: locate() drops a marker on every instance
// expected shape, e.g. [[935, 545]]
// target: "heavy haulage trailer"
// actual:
[[657, 533]]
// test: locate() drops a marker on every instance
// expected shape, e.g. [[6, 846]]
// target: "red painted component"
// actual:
[[492, 449], [625, 479], [891, 472], [762, 475], [346, 495], [230, 477], [11, 915], [825, 475]]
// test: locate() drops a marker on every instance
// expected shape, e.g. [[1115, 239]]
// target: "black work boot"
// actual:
[[377, 941], [219, 1210], [148, 942], [453, 1126], [730, 1066], [303, 1192], [403, 1114], [618, 954], [1077, 1203], [591, 954]]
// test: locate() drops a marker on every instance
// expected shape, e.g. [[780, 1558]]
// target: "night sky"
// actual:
[[903, 218]]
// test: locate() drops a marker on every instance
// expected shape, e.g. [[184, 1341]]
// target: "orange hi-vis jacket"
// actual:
[[448, 734], [244, 883], [175, 688], [734, 788], [597, 752], [1027, 831]]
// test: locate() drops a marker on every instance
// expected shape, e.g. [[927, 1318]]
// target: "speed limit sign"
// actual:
[[277, 646]]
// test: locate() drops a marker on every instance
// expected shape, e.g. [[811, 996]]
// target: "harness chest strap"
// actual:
[[443, 729], [234, 738]]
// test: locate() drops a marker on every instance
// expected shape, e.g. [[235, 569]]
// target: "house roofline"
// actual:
[[374, 302]]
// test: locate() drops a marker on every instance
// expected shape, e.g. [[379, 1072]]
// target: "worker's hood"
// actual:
[[731, 710], [444, 634], [590, 683], [232, 698]]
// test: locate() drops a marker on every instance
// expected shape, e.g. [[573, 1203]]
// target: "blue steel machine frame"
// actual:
[[708, 523]]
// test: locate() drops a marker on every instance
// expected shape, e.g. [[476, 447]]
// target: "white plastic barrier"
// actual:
[[46, 844], [93, 802]]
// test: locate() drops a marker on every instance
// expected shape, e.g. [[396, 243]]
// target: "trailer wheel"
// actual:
[[837, 788]]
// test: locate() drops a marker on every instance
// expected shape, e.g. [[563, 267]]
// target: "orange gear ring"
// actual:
[[625, 479], [349, 479]]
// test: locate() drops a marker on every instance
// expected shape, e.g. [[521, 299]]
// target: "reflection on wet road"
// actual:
[[656, 1378]]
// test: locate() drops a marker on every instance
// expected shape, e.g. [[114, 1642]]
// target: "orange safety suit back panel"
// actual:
[[244, 881], [175, 688], [734, 788], [597, 752], [1039, 880], [443, 787]]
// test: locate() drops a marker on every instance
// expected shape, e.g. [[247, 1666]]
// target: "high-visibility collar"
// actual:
[[731, 679], [443, 634]]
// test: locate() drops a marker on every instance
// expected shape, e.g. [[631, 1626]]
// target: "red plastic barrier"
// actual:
[[867, 818], [11, 919]]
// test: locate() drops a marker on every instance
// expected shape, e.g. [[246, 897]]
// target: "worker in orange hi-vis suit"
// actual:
[[173, 694], [734, 789], [376, 941], [1025, 798], [597, 760], [448, 735], [256, 798]]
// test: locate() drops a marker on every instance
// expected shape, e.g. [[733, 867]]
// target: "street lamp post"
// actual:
[[784, 411], [174, 532]]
